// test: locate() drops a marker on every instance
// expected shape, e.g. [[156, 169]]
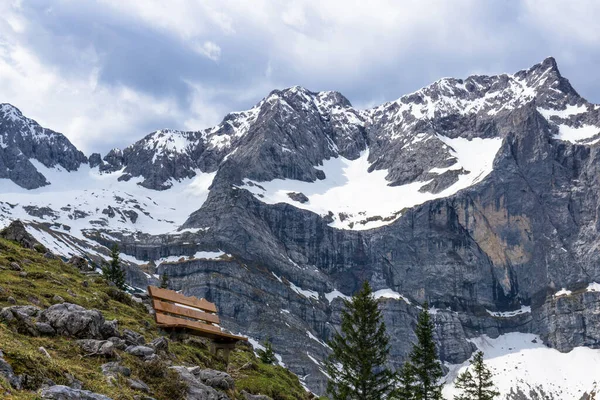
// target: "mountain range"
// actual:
[[478, 195]]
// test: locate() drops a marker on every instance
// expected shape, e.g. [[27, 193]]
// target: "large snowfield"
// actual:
[[349, 188], [521, 360], [78, 199]]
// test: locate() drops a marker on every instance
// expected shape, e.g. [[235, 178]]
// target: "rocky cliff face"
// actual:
[[23, 143], [478, 195]]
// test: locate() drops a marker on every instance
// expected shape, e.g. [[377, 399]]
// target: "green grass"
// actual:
[[47, 278]]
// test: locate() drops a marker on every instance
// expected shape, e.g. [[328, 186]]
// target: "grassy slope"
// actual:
[[47, 278]]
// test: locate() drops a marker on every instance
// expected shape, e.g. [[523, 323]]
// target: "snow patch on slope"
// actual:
[[80, 200], [521, 360], [389, 294], [510, 314], [360, 199]]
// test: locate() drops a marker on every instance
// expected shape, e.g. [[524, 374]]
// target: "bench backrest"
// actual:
[[175, 310], [172, 303]]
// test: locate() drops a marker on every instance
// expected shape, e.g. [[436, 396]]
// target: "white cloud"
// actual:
[[87, 113], [208, 49], [335, 44], [574, 22]]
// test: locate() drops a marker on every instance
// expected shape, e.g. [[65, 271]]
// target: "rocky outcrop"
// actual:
[[196, 390], [23, 140], [16, 232], [93, 347], [60, 392], [72, 320]]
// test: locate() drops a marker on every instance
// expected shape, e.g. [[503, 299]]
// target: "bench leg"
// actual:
[[213, 348]]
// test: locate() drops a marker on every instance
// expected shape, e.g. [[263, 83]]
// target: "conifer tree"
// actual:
[[356, 367], [267, 355], [164, 281], [426, 366], [113, 271], [406, 383], [477, 385]]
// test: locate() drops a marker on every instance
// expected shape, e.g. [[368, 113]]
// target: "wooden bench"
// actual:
[[193, 315]]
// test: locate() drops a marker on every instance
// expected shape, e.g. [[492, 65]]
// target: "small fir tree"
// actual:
[[164, 281], [113, 271], [477, 385], [423, 358], [357, 365], [267, 355], [406, 383]]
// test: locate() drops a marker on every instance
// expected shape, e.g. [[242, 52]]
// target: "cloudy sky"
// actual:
[[107, 72]]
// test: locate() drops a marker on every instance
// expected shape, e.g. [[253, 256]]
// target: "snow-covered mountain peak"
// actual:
[[11, 112]]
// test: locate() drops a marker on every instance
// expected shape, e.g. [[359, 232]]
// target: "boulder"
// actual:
[[196, 390], [140, 351], [114, 368], [97, 347], [73, 320], [60, 392], [160, 344], [7, 373], [21, 318], [110, 329], [137, 384], [118, 342], [16, 231], [45, 329], [15, 266], [133, 338], [80, 263], [212, 378], [249, 396]]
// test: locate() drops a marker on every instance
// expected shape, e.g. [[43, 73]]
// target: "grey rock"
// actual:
[[11, 300], [140, 351], [15, 266], [44, 352], [58, 299], [196, 389], [7, 373], [60, 392], [16, 231], [118, 342], [97, 347], [115, 368], [217, 379], [21, 318], [73, 320], [249, 396], [74, 383], [160, 344], [133, 338], [299, 197], [110, 329], [137, 384], [80, 263], [45, 329]]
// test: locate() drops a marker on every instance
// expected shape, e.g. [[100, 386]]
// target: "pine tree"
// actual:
[[356, 367], [477, 385], [113, 271], [267, 355], [164, 281], [426, 366], [406, 383]]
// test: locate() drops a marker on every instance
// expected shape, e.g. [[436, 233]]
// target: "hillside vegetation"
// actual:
[[28, 277]]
